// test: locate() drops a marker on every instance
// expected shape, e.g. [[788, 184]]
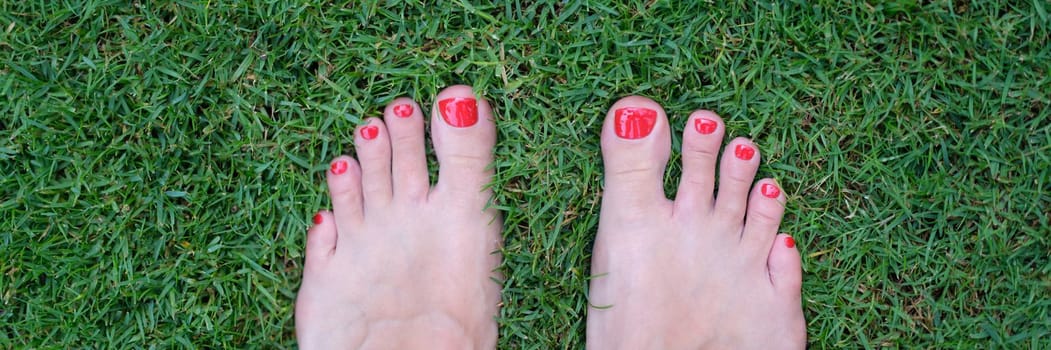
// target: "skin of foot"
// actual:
[[704, 271], [397, 263]]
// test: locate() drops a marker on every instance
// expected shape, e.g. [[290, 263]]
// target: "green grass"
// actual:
[[160, 161]]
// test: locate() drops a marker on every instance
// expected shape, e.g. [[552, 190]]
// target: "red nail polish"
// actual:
[[634, 123], [769, 190], [370, 132], [790, 242], [744, 152], [460, 112], [403, 111], [705, 126], [339, 167], [318, 218]]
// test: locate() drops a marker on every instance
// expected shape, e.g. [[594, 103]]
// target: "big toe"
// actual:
[[464, 133], [635, 148]]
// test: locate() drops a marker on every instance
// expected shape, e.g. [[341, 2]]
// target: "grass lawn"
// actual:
[[160, 160]]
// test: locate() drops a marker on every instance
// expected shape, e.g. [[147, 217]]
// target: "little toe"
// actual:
[[701, 140], [766, 207], [321, 240], [373, 147], [464, 133], [344, 186], [737, 169], [636, 143], [785, 267], [404, 121]]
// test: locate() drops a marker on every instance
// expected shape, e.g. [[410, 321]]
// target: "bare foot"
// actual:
[[700, 271], [398, 264]]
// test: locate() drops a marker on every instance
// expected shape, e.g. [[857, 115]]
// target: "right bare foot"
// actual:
[[397, 264], [700, 271]]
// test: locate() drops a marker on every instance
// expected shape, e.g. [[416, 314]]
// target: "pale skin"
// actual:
[[401, 264]]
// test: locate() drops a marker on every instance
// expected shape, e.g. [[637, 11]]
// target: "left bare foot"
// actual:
[[398, 264]]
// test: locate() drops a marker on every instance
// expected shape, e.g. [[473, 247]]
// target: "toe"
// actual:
[[636, 144], [785, 268], [344, 185], [404, 121], [701, 140], [321, 240], [737, 170], [373, 145], [766, 206], [464, 133]]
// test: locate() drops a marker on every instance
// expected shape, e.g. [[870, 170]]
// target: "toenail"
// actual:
[[403, 111], [705, 126], [460, 112], [634, 122], [339, 167], [790, 242], [770, 190], [318, 218], [370, 132], [744, 152]]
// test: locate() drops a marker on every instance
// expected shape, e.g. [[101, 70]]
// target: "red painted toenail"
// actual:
[[770, 190], [633, 122], [370, 132], [790, 242], [403, 111], [318, 218], [705, 126], [460, 112], [744, 152], [339, 167]]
